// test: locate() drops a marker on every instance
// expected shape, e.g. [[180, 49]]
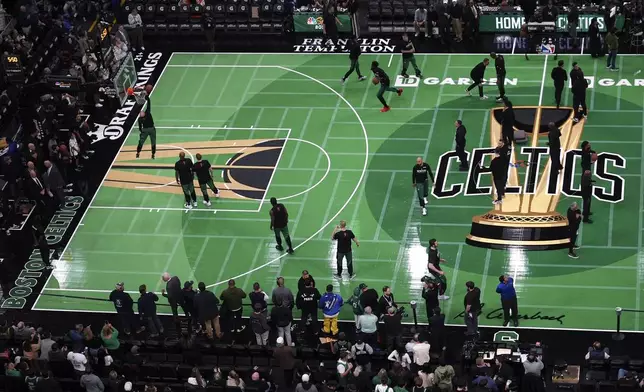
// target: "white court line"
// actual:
[[385, 204], [225, 128], [638, 259], [346, 54], [543, 79], [328, 169], [71, 238], [210, 211], [270, 180]]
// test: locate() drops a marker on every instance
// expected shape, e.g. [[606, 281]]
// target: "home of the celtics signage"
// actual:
[[512, 22]]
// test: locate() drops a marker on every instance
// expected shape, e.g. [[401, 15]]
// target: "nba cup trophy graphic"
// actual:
[[527, 217]]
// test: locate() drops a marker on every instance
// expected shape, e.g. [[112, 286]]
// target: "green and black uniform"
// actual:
[[435, 260], [385, 84], [409, 58], [185, 177], [354, 54], [419, 177], [146, 128], [279, 221], [202, 170]]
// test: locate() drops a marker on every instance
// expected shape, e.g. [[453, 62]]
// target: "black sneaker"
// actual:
[[279, 247], [290, 251], [573, 255], [152, 156], [587, 221], [404, 75], [516, 324], [463, 168], [137, 154]]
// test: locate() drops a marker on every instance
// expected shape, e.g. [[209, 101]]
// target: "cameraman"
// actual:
[[393, 327]]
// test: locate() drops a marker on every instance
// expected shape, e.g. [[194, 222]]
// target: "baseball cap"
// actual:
[[188, 284], [363, 286], [280, 340], [305, 378], [119, 285]]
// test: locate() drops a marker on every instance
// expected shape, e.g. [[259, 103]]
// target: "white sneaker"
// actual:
[[361, 78], [188, 206], [217, 195], [483, 98], [499, 100], [424, 211], [469, 94], [342, 81], [195, 204], [208, 203], [425, 200], [417, 35], [443, 297], [575, 120], [142, 48]]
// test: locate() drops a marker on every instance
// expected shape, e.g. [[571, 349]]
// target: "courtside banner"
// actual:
[[312, 22], [107, 136], [512, 22]]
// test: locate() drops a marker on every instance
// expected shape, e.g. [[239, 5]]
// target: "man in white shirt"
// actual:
[[420, 21], [343, 367], [78, 361], [136, 32], [421, 353]]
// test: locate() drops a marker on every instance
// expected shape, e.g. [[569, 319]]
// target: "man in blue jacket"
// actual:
[[330, 303], [508, 300]]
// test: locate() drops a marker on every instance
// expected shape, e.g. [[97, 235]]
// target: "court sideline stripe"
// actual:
[[638, 258], [385, 204], [62, 254]]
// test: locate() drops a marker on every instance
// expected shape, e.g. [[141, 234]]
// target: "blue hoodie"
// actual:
[[507, 290], [331, 303]]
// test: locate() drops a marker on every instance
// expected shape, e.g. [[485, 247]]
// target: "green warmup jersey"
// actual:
[[202, 170], [184, 169]]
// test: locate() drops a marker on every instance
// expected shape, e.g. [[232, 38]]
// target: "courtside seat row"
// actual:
[[392, 16]]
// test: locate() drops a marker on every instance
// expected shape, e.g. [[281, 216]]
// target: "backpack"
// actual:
[[355, 302]]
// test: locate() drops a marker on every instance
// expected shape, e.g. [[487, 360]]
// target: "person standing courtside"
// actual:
[[499, 170], [231, 298], [420, 174], [185, 177], [574, 219], [459, 140], [472, 303], [554, 147], [434, 266], [279, 225], [203, 170], [499, 65], [344, 237], [507, 126], [559, 78], [508, 300], [354, 55], [407, 49], [587, 194], [477, 74], [579, 86]]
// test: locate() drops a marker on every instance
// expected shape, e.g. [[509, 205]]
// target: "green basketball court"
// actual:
[[283, 125]]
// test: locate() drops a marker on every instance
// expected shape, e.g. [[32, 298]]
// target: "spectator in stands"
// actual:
[[31, 346], [259, 325], [189, 305], [195, 381], [47, 383], [385, 302], [400, 356], [341, 345], [504, 373], [420, 20], [443, 375], [31, 380], [306, 277], [533, 365], [172, 292], [191, 354], [426, 374], [234, 380], [147, 304], [393, 327], [232, 299], [549, 13], [456, 12], [343, 369], [110, 337], [368, 297], [597, 352], [383, 384], [11, 371], [285, 364], [136, 32], [45, 345], [91, 382], [483, 378], [78, 360], [282, 294], [207, 307], [22, 332], [595, 44], [256, 382], [57, 354], [331, 303], [471, 15], [368, 326], [481, 367], [133, 357], [258, 296], [612, 44], [54, 182], [114, 382], [305, 385], [421, 353], [361, 352], [124, 305], [307, 301]]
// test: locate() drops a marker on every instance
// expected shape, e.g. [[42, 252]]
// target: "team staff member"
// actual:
[[508, 300], [204, 175], [554, 145], [559, 78], [472, 303], [574, 219], [579, 86], [185, 177], [507, 126], [354, 55], [385, 85], [279, 225], [459, 138], [407, 49], [344, 237], [434, 266], [330, 25], [430, 295], [146, 126], [499, 65], [499, 169], [419, 177], [587, 194], [587, 155], [477, 75]]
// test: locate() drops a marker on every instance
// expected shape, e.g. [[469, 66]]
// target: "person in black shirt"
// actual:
[[385, 85], [560, 78], [146, 128], [472, 303], [185, 177], [330, 26], [430, 295], [279, 225], [124, 306], [549, 13], [594, 37], [307, 301], [434, 267], [554, 146], [303, 279], [499, 65], [507, 126], [386, 301], [407, 49], [573, 22], [587, 194], [579, 86], [354, 55], [203, 170], [499, 175], [587, 155], [392, 321], [459, 139], [258, 297], [147, 304], [344, 237], [419, 177], [574, 219], [477, 75], [208, 24]]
